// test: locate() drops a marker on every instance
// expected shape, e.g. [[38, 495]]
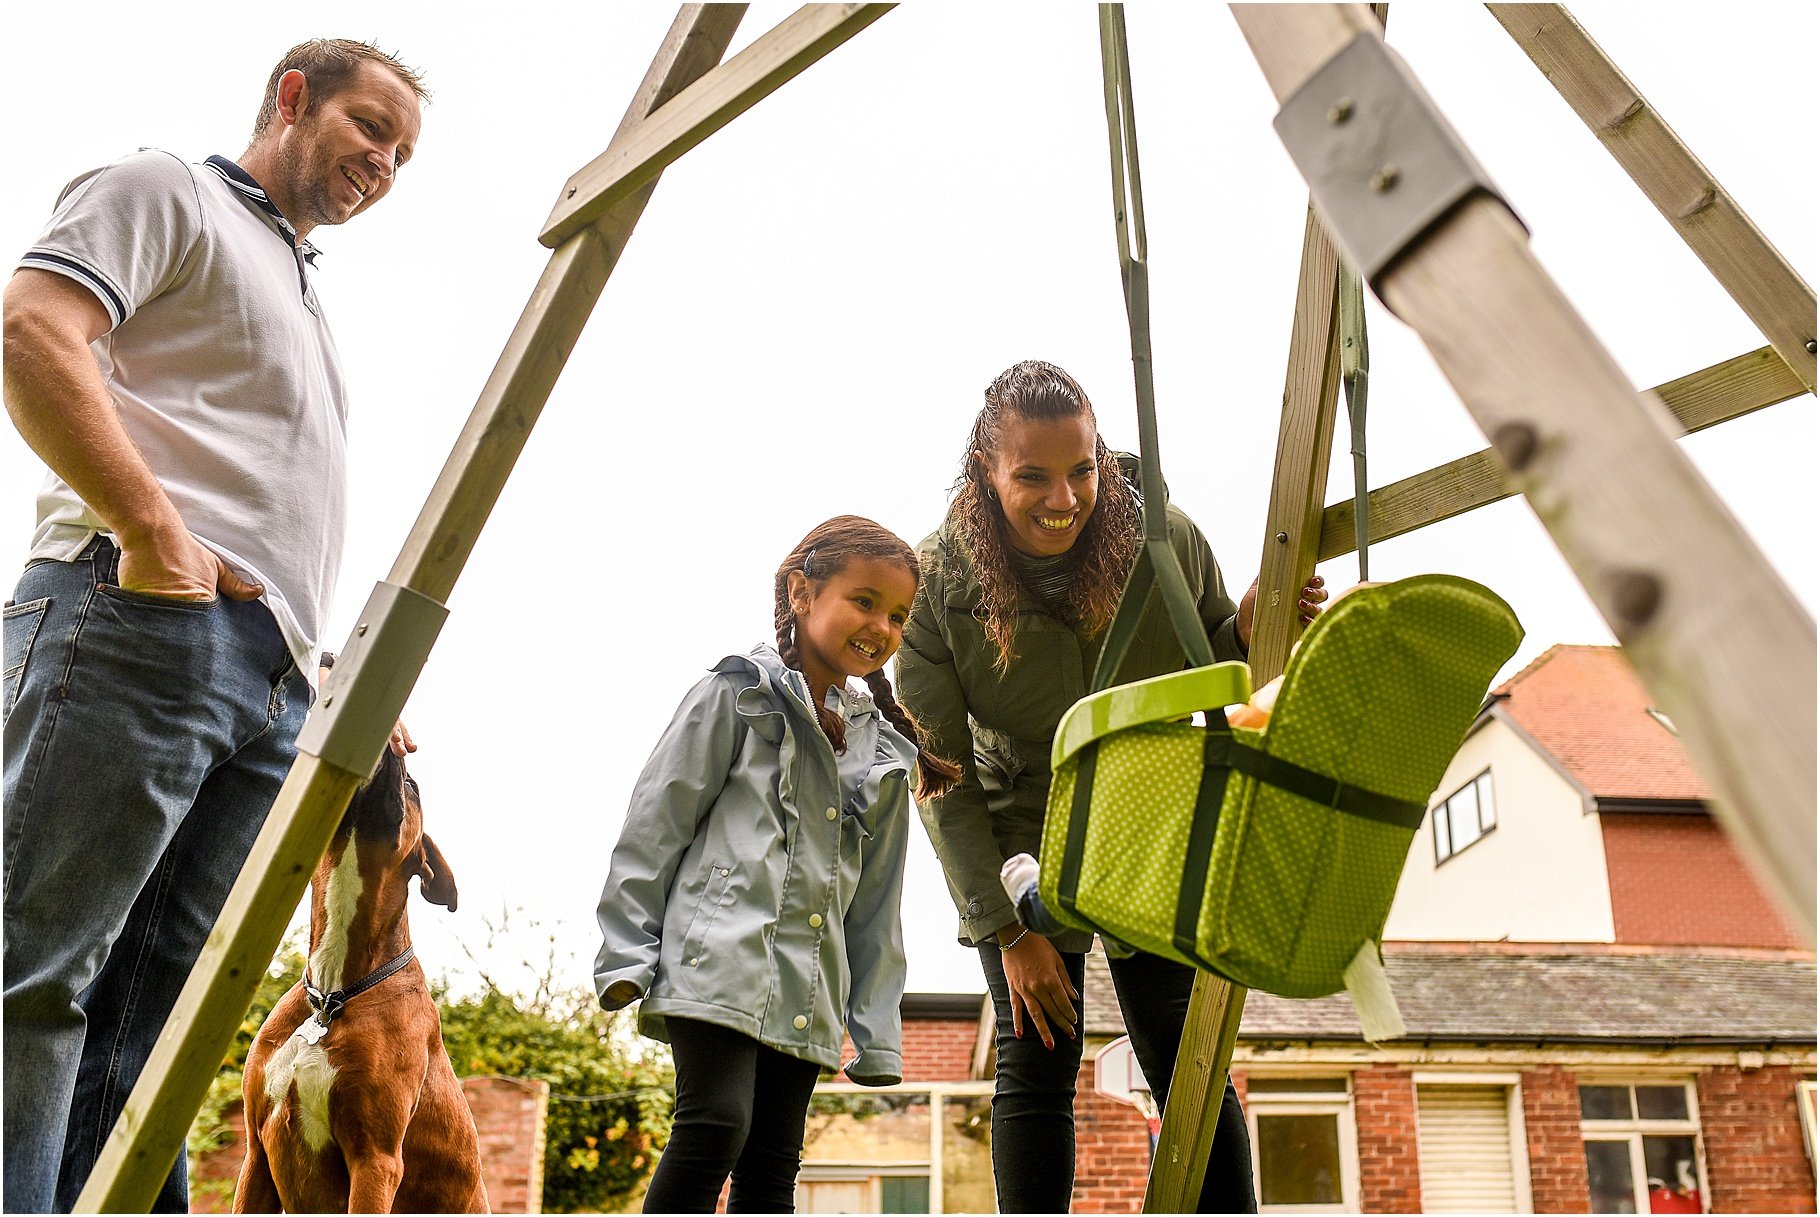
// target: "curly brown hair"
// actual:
[[820, 556], [1108, 544]]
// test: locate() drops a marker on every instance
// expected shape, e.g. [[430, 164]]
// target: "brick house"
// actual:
[[1605, 1012]]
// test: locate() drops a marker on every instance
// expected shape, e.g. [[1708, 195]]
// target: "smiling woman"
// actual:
[[1020, 584]]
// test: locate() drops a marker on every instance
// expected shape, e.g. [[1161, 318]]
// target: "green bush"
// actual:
[[610, 1100]]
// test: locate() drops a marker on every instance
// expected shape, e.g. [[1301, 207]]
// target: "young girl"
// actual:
[[752, 900]]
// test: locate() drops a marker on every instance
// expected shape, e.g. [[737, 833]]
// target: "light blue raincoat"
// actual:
[[755, 888]]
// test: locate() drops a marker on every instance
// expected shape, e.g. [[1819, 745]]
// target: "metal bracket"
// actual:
[[1382, 162], [372, 678]]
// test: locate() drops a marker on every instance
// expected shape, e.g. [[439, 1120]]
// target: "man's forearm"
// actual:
[[58, 403]]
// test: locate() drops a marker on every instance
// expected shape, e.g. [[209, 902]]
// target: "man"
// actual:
[[167, 357]]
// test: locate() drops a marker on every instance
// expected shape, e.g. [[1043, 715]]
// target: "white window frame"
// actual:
[[1484, 799], [1634, 1130], [1337, 1103]]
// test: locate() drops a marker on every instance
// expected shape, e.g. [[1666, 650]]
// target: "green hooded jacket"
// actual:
[[999, 728]]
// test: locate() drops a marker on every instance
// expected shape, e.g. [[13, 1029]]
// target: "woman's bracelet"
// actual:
[[1006, 946]]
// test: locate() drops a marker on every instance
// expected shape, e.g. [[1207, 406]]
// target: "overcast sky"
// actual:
[[807, 314]]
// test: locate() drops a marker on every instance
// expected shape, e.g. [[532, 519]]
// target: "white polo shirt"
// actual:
[[222, 369]]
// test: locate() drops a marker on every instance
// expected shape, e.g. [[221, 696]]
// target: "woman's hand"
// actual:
[[1041, 992], [1314, 594]]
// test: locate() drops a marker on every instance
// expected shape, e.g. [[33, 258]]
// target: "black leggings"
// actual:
[[740, 1109], [1033, 1096]]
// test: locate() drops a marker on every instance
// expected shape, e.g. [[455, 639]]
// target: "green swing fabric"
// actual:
[[1271, 856]]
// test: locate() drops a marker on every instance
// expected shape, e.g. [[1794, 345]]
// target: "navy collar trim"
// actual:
[[252, 191]]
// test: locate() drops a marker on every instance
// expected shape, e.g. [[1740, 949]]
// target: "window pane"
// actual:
[[1488, 811], [1605, 1103], [1442, 846], [905, 1194], [967, 1154], [1258, 1085], [1674, 1184], [1608, 1183], [1299, 1159], [1662, 1102], [1463, 819]]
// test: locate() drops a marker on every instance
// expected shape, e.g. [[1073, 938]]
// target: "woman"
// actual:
[[1019, 585]]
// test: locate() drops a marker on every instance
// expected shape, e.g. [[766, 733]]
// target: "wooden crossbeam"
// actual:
[[1746, 265], [1698, 400], [1710, 627], [710, 104], [139, 1152], [1292, 532]]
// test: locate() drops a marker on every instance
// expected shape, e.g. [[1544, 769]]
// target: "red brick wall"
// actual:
[[1111, 1152], [1384, 1108], [1557, 1158], [939, 1050], [1677, 881], [1755, 1158], [509, 1115]]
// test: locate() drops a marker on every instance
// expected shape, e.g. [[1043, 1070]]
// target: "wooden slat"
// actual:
[[710, 104], [139, 1152], [1740, 257], [1698, 400], [1304, 445], [1708, 624]]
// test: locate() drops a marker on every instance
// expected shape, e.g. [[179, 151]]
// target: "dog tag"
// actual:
[[312, 1030]]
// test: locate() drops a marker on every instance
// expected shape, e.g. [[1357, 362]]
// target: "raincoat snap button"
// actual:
[[815, 921], [799, 1022], [832, 814]]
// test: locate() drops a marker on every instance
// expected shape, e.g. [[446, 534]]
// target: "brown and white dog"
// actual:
[[351, 1103]]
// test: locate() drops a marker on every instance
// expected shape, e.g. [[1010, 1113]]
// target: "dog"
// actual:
[[351, 1103]]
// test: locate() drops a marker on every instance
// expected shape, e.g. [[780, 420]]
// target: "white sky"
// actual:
[[805, 318]]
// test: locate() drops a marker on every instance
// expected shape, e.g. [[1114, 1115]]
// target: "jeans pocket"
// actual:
[[22, 622], [114, 591]]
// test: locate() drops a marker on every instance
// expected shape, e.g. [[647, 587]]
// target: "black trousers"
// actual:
[[1033, 1096], [740, 1110]]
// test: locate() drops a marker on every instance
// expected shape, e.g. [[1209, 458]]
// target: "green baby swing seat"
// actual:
[[1271, 856]]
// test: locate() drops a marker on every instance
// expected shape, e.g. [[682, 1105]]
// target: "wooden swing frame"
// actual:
[[1706, 621]]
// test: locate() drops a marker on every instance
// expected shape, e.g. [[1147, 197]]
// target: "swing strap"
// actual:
[[1156, 565], [1355, 368]]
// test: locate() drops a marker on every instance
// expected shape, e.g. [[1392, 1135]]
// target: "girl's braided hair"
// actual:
[[820, 556], [1108, 544]]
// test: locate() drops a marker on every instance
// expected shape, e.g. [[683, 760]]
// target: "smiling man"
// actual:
[[167, 356]]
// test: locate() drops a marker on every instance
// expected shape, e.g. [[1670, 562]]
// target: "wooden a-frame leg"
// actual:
[[1292, 537]]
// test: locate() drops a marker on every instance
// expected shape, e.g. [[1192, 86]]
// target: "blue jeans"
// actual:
[[1033, 1092], [146, 740]]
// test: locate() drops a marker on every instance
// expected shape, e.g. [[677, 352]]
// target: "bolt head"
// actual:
[[1340, 111], [1385, 178]]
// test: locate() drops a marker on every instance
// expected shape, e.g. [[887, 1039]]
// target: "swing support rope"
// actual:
[[1355, 367], [1157, 566]]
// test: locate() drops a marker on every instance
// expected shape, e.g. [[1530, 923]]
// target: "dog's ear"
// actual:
[[433, 869]]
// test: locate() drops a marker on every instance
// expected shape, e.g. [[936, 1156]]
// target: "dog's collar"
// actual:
[[328, 1005]]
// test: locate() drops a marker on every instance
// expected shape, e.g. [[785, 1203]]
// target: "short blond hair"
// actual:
[[328, 64]]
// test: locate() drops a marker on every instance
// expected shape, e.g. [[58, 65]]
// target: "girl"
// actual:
[[752, 900]]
